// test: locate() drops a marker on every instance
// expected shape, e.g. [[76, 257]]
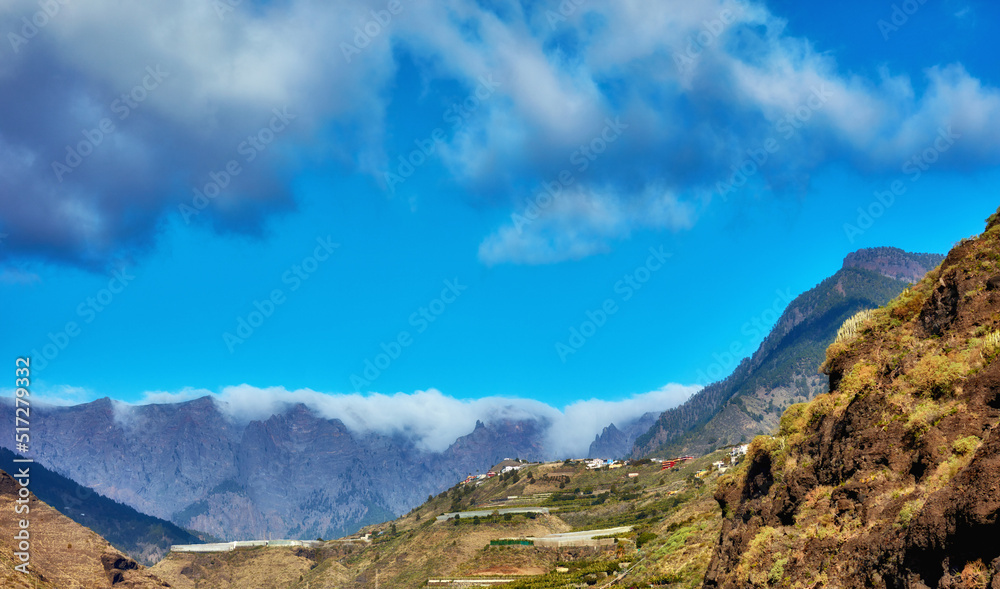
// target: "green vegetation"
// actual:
[[909, 509], [966, 445]]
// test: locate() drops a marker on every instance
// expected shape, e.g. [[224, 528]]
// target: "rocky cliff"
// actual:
[[892, 479], [893, 262]]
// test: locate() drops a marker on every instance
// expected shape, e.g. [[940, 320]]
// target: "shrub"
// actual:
[[794, 419], [991, 344], [966, 445], [853, 326], [975, 575], [906, 305], [833, 351], [936, 375], [644, 538], [777, 572], [862, 376]]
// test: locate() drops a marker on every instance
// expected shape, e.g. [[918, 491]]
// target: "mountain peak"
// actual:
[[893, 262]]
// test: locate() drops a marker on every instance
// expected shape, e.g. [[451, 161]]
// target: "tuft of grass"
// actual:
[[966, 445], [910, 508], [777, 572]]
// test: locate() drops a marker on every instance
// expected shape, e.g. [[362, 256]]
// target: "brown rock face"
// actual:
[[893, 478]]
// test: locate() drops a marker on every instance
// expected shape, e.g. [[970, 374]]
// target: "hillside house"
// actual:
[[506, 465]]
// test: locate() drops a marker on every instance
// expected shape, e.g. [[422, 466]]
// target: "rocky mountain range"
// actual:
[[888, 480], [300, 475], [295, 474], [783, 370]]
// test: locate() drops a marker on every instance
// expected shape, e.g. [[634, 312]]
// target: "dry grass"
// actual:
[[65, 553]]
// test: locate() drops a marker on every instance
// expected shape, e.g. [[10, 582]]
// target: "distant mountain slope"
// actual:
[[62, 553], [783, 369], [145, 538], [295, 474], [613, 442], [892, 479]]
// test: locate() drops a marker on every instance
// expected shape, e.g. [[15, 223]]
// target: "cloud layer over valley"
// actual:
[[431, 419]]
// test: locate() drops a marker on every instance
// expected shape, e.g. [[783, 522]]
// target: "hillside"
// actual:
[[783, 369], [63, 554], [892, 479], [673, 518], [145, 538]]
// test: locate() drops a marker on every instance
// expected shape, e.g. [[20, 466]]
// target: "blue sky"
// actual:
[[633, 115]]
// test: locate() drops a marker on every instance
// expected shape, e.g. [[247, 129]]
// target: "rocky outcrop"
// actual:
[[893, 478], [893, 262]]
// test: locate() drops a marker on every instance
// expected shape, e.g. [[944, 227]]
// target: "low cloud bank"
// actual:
[[434, 420]]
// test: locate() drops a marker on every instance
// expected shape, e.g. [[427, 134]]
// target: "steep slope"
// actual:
[[783, 369], [295, 474], [892, 479], [145, 538], [63, 554]]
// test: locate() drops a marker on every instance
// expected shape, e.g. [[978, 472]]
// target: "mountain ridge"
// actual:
[[782, 369], [190, 464]]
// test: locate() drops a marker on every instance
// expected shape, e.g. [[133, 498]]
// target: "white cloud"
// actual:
[[580, 223], [434, 420], [688, 122], [579, 422]]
